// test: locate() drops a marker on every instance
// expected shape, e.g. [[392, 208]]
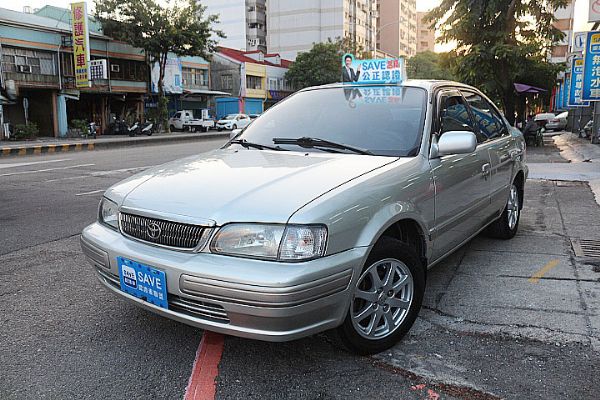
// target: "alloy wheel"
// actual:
[[512, 207]]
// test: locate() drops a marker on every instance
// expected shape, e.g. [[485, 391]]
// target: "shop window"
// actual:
[[38, 62], [227, 82], [253, 82]]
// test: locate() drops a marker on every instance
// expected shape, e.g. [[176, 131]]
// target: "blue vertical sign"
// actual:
[[561, 96], [591, 71], [577, 84], [566, 87]]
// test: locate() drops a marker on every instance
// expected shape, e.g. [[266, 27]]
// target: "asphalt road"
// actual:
[[486, 331]]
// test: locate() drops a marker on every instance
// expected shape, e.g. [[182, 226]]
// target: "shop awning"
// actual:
[[522, 88], [205, 92]]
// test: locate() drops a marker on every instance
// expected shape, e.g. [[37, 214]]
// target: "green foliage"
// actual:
[[429, 65], [29, 131], [322, 64], [80, 124], [179, 27], [499, 42]]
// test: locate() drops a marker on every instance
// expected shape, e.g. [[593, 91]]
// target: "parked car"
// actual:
[[233, 121], [558, 123], [185, 120], [542, 119], [321, 214]]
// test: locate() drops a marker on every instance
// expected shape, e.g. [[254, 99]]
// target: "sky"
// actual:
[[580, 23]]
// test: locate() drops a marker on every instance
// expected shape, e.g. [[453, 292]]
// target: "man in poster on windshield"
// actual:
[[383, 70]]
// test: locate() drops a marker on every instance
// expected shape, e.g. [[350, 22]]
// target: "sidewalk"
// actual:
[[54, 145], [582, 162]]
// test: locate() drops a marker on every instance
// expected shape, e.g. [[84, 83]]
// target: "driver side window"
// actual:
[[454, 114]]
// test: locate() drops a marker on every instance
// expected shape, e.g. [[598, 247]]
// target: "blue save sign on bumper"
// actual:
[[143, 281]]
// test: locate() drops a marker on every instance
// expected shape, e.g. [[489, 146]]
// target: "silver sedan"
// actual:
[[326, 212]]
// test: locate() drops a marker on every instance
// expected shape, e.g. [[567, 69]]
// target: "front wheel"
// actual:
[[507, 225], [234, 127], [386, 299]]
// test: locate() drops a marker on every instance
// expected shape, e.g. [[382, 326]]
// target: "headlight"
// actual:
[[275, 242], [108, 213]]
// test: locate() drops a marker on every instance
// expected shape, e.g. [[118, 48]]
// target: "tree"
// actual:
[[322, 64], [497, 40], [429, 65], [179, 28]]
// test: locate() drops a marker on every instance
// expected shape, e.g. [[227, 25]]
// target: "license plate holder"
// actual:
[[143, 281]]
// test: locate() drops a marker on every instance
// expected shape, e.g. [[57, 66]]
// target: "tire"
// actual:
[[172, 128], [234, 127], [507, 225], [408, 273], [219, 129]]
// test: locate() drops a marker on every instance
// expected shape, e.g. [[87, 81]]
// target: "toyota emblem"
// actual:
[[153, 230]]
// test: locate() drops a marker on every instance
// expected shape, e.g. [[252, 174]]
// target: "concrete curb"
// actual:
[[92, 144]]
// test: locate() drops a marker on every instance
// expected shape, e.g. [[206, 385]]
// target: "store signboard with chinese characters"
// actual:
[[81, 44], [591, 69], [577, 84]]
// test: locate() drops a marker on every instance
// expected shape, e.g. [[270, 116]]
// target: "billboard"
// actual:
[[384, 70], [81, 44], [591, 69], [577, 84], [172, 81]]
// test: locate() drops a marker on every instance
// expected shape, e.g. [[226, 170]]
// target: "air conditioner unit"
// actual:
[[115, 68], [25, 69]]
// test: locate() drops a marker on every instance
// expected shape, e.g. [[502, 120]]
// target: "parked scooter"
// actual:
[[134, 129], [92, 129], [118, 127], [147, 128]]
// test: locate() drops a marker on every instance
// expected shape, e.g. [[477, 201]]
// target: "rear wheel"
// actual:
[[507, 225], [386, 299]]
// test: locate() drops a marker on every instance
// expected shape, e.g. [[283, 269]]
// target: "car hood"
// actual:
[[242, 185]]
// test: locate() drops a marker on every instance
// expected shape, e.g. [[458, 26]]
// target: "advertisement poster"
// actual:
[[591, 70], [172, 82], [81, 44], [384, 70], [577, 84]]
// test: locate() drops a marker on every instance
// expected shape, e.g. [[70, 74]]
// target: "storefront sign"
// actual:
[[81, 44], [591, 70], [384, 70], [594, 15], [172, 81], [577, 84], [579, 42]]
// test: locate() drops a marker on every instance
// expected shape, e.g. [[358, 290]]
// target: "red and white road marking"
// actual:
[[202, 385]]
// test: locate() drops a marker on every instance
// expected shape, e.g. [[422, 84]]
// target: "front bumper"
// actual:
[[243, 297]]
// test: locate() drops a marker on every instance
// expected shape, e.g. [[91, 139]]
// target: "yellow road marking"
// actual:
[[6, 151], [22, 152], [78, 146], [37, 150], [539, 274], [65, 147], [90, 146], [51, 148]]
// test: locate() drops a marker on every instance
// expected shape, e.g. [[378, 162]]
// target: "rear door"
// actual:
[[500, 145], [462, 185]]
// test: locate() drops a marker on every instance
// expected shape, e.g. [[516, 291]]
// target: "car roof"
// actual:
[[428, 84]]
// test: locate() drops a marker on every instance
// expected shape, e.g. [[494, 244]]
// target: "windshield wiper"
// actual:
[[258, 146], [316, 142]]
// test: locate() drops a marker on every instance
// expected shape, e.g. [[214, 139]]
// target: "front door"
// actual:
[[462, 181]]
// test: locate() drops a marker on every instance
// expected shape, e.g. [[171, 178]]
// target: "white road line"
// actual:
[[13, 165], [101, 173], [47, 170], [92, 192]]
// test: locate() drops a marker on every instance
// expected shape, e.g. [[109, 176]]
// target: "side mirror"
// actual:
[[454, 142], [234, 133]]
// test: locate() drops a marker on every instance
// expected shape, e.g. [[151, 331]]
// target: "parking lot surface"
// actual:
[[501, 319]]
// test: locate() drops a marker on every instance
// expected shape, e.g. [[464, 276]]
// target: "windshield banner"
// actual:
[[382, 70]]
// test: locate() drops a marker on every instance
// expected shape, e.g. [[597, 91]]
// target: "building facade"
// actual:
[[253, 79], [244, 22], [37, 65], [397, 27], [425, 35], [564, 21], [293, 26]]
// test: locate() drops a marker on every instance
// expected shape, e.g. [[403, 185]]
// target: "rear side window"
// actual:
[[486, 117], [454, 114], [177, 115]]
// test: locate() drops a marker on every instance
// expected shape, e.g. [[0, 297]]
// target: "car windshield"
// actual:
[[230, 116], [383, 120]]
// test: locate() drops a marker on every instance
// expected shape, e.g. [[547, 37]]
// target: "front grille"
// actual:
[[193, 308], [170, 234]]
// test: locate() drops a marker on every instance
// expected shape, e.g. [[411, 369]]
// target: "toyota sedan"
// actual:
[[326, 212]]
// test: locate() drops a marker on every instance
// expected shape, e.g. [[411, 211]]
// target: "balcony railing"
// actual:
[[31, 79]]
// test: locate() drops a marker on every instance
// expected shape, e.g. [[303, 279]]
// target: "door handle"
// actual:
[[485, 170]]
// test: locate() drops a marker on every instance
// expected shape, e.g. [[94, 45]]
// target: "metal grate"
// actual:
[[193, 308], [164, 233], [586, 247]]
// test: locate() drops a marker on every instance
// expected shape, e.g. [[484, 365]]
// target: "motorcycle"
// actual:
[[92, 129], [134, 129], [147, 128], [118, 127]]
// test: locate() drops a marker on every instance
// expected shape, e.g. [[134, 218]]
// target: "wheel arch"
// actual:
[[408, 230], [519, 181]]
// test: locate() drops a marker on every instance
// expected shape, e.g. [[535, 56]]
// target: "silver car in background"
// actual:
[[326, 212]]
